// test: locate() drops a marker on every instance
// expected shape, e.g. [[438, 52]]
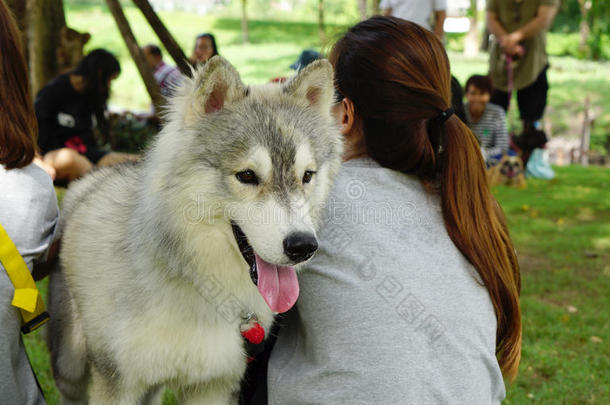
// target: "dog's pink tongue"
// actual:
[[278, 285]]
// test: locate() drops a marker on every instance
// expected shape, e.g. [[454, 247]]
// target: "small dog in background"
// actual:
[[509, 172]]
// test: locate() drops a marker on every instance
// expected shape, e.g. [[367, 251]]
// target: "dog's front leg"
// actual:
[[106, 391], [154, 396], [217, 392]]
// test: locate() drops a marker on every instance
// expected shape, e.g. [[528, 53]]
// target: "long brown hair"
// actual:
[[18, 125], [397, 75]]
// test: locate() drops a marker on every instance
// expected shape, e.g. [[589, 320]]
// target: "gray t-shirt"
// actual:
[[390, 312], [418, 11], [29, 214]]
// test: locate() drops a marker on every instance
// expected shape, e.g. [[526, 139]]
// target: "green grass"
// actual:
[[561, 230]]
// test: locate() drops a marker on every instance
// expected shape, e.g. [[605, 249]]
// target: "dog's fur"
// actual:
[[153, 286], [509, 171]]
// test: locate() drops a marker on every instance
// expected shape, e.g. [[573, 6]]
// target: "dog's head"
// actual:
[[510, 166], [259, 160]]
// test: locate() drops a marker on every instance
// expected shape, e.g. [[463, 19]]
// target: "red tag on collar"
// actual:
[[255, 334]]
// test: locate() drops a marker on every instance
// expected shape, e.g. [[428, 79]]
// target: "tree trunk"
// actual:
[[19, 9], [585, 136], [244, 21], [164, 35], [584, 30], [362, 9], [485, 39], [471, 42], [136, 54], [321, 30], [375, 7], [46, 18]]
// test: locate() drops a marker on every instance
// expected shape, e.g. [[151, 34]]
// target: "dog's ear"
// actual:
[[314, 83], [216, 85]]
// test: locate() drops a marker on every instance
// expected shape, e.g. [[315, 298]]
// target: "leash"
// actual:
[[509, 73], [27, 298]]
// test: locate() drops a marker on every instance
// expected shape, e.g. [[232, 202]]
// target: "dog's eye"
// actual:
[[247, 177], [307, 176]]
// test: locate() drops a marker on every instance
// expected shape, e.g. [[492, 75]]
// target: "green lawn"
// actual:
[[561, 229], [275, 45]]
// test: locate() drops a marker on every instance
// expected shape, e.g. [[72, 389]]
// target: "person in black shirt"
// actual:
[[68, 108]]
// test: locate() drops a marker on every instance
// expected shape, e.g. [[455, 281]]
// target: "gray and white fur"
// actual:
[[153, 287]]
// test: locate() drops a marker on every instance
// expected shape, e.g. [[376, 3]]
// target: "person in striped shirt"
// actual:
[[486, 120], [168, 77]]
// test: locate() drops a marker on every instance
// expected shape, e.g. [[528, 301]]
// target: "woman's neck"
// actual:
[[355, 146]]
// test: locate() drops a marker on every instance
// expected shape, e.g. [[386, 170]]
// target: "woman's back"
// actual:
[[390, 311], [29, 214]]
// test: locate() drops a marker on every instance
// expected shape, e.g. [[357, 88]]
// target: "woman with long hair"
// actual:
[[28, 214], [68, 108], [205, 47], [413, 296]]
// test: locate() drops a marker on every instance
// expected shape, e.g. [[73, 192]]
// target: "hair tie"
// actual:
[[444, 116]]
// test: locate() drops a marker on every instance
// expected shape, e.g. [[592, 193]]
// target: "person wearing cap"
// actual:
[[304, 59]]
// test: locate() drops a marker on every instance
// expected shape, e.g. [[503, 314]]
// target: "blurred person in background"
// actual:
[[304, 59], [205, 47], [518, 62], [485, 119], [421, 12], [68, 108], [167, 76]]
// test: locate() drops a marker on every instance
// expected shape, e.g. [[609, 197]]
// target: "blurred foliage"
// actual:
[[557, 44], [568, 18], [598, 19], [131, 134], [345, 12], [276, 44]]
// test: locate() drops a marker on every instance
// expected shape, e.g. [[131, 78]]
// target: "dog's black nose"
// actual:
[[300, 246]]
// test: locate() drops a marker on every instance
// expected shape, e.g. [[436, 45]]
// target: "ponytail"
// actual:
[[476, 225]]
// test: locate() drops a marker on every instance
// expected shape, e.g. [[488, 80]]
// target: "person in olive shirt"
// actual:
[[519, 30]]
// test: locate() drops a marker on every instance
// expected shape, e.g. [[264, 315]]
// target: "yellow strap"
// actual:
[[26, 298]]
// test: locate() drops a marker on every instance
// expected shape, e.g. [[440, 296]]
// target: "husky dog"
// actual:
[[164, 262]]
